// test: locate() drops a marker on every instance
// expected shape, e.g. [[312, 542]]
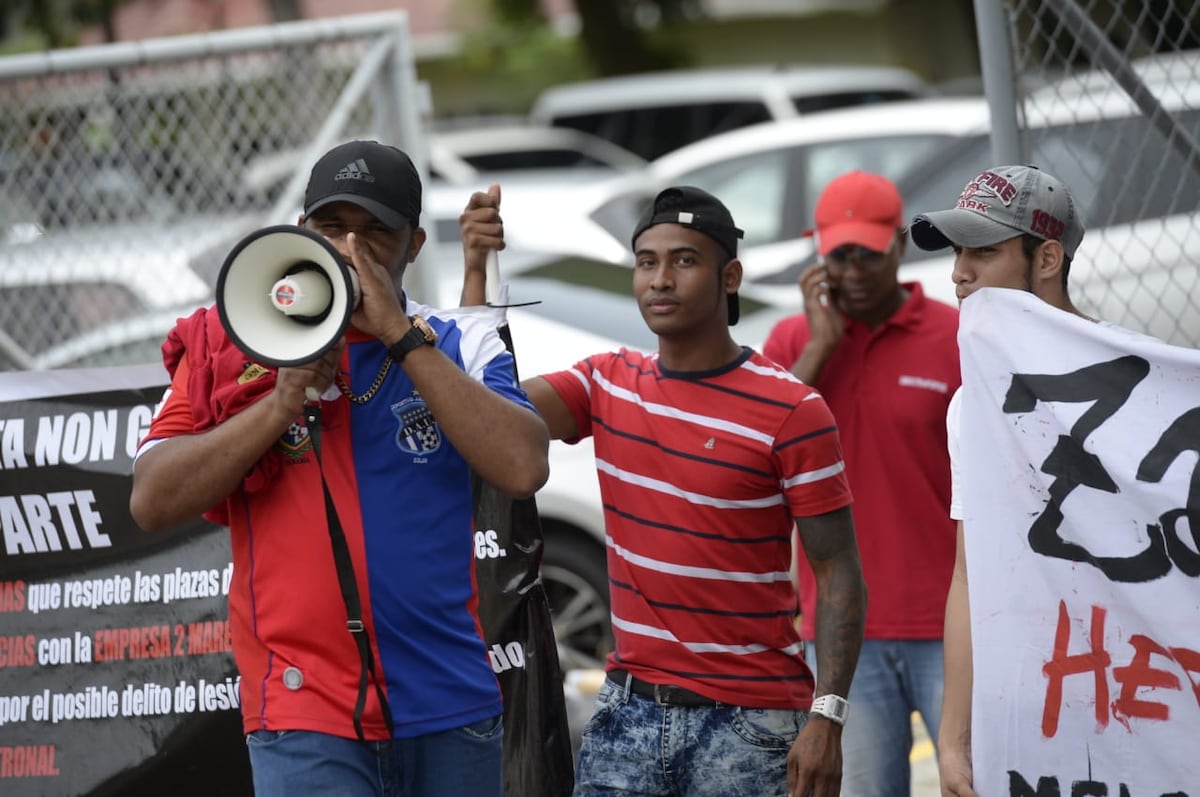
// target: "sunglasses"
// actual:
[[867, 258]]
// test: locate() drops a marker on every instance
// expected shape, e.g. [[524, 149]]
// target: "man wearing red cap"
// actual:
[[885, 359]]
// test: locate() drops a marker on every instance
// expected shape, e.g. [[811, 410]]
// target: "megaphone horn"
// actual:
[[285, 295]]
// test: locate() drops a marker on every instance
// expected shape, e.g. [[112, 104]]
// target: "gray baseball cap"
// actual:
[[1001, 203]]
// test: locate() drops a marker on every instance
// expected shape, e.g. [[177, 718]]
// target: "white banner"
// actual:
[[1081, 500]]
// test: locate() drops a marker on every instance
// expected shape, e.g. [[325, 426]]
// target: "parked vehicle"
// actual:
[[1135, 267], [125, 253], [463, 155], [470, 155], [654, 113], [769, 175]]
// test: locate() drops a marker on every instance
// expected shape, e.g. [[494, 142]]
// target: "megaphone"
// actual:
[[285, 295]]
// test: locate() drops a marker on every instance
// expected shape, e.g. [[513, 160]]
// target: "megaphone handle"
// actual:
[[312, 417], [492, 275]]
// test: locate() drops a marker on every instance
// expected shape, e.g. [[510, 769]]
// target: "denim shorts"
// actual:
[[463, 761], [634, 745]]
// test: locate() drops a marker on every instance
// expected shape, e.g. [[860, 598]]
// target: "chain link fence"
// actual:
[[1105, 95], [127, 172]]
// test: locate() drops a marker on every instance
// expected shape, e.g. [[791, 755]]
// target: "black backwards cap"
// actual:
[[379, 178], [700, 210]]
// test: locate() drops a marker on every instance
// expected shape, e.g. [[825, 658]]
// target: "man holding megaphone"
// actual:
[[353, 424]]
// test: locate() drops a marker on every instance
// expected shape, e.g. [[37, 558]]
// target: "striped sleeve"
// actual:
[[574, 387], [809, 456]]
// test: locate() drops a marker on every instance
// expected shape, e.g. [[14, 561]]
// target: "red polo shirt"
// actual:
[[889, 389]]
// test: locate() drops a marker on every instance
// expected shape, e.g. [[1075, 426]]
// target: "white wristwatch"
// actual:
[[831, 707]]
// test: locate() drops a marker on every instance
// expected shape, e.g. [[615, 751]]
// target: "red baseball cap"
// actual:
[[858, 208]]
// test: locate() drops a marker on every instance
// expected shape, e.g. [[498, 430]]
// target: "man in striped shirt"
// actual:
[[708, 454]]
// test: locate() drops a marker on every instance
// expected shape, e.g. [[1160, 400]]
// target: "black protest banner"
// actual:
[[116, 674]]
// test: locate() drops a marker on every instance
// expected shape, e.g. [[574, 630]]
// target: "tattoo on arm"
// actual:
[[832, 551]]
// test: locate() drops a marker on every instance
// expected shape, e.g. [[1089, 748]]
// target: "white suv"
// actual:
[[653, 113]]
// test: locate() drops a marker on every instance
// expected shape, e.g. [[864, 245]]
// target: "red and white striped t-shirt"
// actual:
[[702, 475]]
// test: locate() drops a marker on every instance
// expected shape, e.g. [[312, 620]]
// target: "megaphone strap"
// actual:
[[348, 585], [372, 390]]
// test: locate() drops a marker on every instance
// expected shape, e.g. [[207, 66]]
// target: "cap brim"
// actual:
[[877, 237], [380, 211], [958, 227]]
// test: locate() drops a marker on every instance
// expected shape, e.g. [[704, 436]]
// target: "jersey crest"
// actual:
[[295, 442], [418, 433]]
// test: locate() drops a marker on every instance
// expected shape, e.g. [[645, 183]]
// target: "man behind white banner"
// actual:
[[1074, 668]]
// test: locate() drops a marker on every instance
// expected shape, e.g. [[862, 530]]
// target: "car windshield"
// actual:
[[651, 132], [541, 158], [811, 103]]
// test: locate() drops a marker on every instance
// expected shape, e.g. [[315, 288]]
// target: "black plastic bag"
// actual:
[[515, 614]]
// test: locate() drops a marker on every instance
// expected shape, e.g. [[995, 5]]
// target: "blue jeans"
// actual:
[[465, 762], [894, 678], [634, 746]]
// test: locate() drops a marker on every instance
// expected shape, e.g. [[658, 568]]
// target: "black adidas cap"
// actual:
[[379, 178], [696, 208]]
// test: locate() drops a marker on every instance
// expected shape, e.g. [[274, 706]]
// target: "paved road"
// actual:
[[581, 687], [924, 765]]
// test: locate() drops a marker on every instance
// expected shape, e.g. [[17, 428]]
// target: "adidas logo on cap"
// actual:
[[389, 189], [355, 170]]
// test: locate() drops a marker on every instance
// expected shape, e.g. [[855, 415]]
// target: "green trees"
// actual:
[[58, 23], [610, 33]]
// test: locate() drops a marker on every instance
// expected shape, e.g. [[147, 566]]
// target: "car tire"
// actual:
[[575, 577]]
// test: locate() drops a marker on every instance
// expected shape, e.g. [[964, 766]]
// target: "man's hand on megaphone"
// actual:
[[380, 313], [292, 384], [482, 233]]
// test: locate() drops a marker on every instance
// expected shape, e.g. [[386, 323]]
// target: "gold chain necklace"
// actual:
[[372, 390]]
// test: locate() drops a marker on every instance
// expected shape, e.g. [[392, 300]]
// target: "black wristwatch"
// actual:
[[420, 335]]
